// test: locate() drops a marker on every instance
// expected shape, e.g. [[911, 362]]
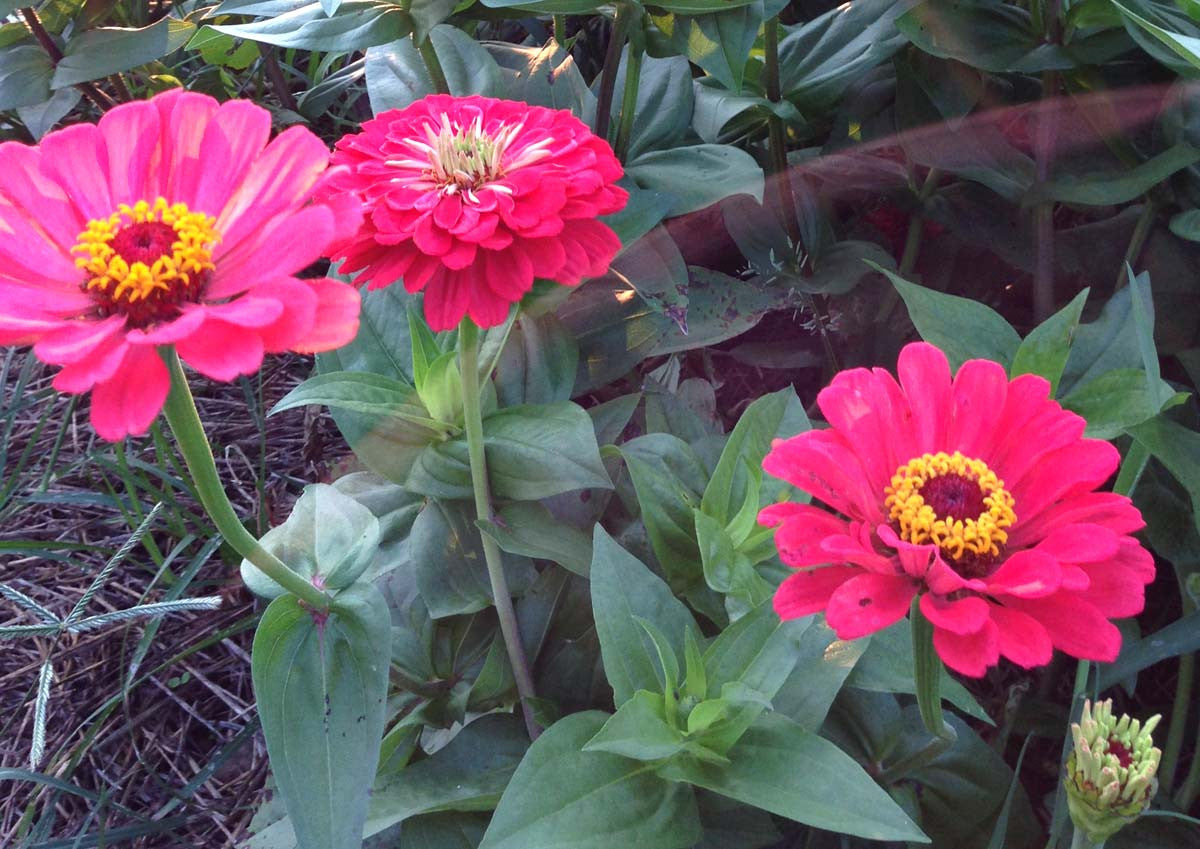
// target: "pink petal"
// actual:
[[846, 548], [1077, 468], [235, 135], [128, 403], [76, 340], [1023, 640], [1074, 625], [97, 367], [76, 158], [1116, 592], [28, 258], [808, 591], [184, 116], [1081, 543], [169, 332], [222, 351], [925, 378], [868, 603], [131, 137], [980, 389], [22, 330], [820, 463], [969, 654], [1131, 556], [1027, 574], [857, 406], [298, 304], [961, 616], [800, 536], [336, 318], [250, 311], [42, 199], [1115, 512], [287, 245]]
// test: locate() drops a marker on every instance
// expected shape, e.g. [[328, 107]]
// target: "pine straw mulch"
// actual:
[[177, 761]]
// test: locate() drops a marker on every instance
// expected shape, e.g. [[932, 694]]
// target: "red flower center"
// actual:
[[145, 260], [1117, 749], [954, 496]]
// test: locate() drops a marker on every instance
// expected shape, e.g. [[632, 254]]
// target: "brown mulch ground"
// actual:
[[181, 747]]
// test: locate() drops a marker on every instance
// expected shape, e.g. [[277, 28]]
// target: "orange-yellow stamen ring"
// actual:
[[919, 523], [125, 283]]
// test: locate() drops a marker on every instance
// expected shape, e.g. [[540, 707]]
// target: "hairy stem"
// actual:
[[612, 63], [434, 65], [180, 410], [89, 90], [275, 77], [560, 30], [468, 359]]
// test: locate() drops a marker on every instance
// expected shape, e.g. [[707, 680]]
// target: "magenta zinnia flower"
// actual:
[[469, 199], [976, 493], [171, 222]]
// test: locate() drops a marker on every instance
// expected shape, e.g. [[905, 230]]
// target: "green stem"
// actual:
[[927, 670], [1190, 789], [916, 224], [1080, 841], [193, 445], [633, 73], [922, 757], [612, 64], [434, 65], [1082, 673], [560, 30], [468, 355], [1180, 709]]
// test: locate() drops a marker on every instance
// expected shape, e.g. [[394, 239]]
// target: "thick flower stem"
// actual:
[[1080, 841], [633, 73], [927, 668], [89, 90], [180, 411], [468, 358], [434, 65], [612, 63]]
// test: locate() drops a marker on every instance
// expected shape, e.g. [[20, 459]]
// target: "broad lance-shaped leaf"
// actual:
[[328, 534], [561, 796], [780, 767], [321, 688], [533, 451], [623, 589]]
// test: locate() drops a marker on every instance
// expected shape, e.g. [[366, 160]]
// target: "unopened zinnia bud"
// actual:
[[1111, 772]]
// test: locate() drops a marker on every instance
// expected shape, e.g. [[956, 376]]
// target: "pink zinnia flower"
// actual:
[[976, 493], [471, 198], [171, 222]]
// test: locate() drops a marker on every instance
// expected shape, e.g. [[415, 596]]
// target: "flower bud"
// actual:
[[1111, 771]]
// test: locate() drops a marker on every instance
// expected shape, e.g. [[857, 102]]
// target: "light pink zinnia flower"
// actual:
[[171, 222], [976, 493], [470, 198]]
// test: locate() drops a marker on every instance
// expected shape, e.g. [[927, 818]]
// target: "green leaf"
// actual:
[[726, 570], [654, 267], [563, 797], [329, 538], [110, 50], [321, 691], [820, 59], [1113, 402], [719, 42], [841, 267], [668, 479], [823, 663], [373, 394], [663, 110], [1186, 47], [1044, 351], [780, 767], [1186, 225], [25, 72], [542, 76], [357, 25], [719, 308], [41, 118], [698, 175], [447, 557], [397, 76], [615, 330], [887, 667], [638, 730], [964, 329], [700, 7], [623, 589], [778, 415], [538, 364], [440, 388], [444, 831], [530, 529], [1180, 637], [757, 651], [1104, 189], [216, 48], [533, 451], [1178, 449]]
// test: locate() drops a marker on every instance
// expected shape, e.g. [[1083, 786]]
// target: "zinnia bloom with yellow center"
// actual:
[[471, 198], [976, 492], [174, 221]]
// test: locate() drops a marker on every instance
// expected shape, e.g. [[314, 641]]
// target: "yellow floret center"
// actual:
[[147, 255], [955, 502]]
